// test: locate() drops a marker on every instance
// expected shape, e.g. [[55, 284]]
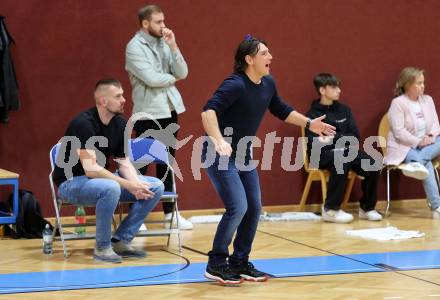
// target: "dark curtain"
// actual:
[[8, 81]]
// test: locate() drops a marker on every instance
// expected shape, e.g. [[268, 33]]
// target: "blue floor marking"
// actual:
[[408, 260], [154, 275]]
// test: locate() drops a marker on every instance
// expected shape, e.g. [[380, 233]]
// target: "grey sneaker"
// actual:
[[127, 250], [106, 255]]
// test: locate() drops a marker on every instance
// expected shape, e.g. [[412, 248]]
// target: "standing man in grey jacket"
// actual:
[[154, 64]]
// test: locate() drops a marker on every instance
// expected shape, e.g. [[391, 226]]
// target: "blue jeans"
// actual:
[[425, 156], [105, 194], [240, 193]]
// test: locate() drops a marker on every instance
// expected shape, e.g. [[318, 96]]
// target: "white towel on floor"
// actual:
[[289, 216], [385, 233], [272, 217]]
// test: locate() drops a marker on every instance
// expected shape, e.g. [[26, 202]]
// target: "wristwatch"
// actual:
[[308, 123]]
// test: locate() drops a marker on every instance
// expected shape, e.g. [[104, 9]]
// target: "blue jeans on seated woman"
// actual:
[[240, 192], [425, 156], [105, 194]]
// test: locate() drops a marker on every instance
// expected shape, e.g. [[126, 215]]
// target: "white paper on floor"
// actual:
[[272, 217], [385, 233], [205, 219], [289, 216]]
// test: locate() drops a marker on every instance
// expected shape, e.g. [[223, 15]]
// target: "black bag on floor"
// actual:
[[30, 223]]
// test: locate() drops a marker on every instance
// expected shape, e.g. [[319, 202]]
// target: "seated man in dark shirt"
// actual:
[[332, 154], [83, 178]]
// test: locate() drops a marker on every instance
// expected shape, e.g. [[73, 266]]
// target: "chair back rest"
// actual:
[[52, 158], [303, 142], [147, 150], [141, 150], [384, 128], [53, 155]]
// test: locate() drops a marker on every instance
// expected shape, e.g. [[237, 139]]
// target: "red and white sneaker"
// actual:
[[223, 275], [248, 272]]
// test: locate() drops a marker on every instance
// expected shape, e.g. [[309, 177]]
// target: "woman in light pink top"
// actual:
[[414, 130]]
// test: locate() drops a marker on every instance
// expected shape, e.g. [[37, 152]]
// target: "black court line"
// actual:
[[88, 286], [194, 250], [384, 267]]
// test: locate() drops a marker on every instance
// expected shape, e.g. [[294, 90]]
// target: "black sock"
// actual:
[[114, 240]]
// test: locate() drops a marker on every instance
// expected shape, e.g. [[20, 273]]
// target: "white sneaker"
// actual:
[[436, 213], [371, 215], [143, 227], [415, 170], [184, 224], [336, 216]]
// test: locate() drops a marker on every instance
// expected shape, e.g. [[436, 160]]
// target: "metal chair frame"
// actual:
[[384, 128]]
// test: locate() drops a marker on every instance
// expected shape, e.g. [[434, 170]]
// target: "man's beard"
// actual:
[[154, 34]]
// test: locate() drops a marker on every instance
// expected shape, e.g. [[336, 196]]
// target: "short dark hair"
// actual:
[[249, 46], [325, 79], [108, 81], [145, 12]]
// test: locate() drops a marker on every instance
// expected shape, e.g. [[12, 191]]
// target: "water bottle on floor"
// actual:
[[80, 217], [47, 240]]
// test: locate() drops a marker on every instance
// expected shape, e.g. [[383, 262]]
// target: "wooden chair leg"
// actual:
[[437, 179], [323, 187], [121, 212], [305, 194]]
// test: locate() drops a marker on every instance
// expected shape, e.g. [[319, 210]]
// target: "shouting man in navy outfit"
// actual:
[[237, 108]]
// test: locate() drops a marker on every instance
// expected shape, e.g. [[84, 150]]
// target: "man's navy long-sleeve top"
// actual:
[[240, 103]]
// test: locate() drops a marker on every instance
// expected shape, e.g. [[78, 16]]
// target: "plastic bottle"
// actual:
[[47, 240], [80, 217]]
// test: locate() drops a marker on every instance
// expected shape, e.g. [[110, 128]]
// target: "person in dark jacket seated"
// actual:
[[340, 154]]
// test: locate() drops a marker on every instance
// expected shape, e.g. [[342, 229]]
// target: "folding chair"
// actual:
[[139, 154], [315, 174], [59, 203], [143, 151], [384, 128]]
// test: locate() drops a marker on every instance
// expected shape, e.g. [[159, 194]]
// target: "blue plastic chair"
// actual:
[[144, 151]]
